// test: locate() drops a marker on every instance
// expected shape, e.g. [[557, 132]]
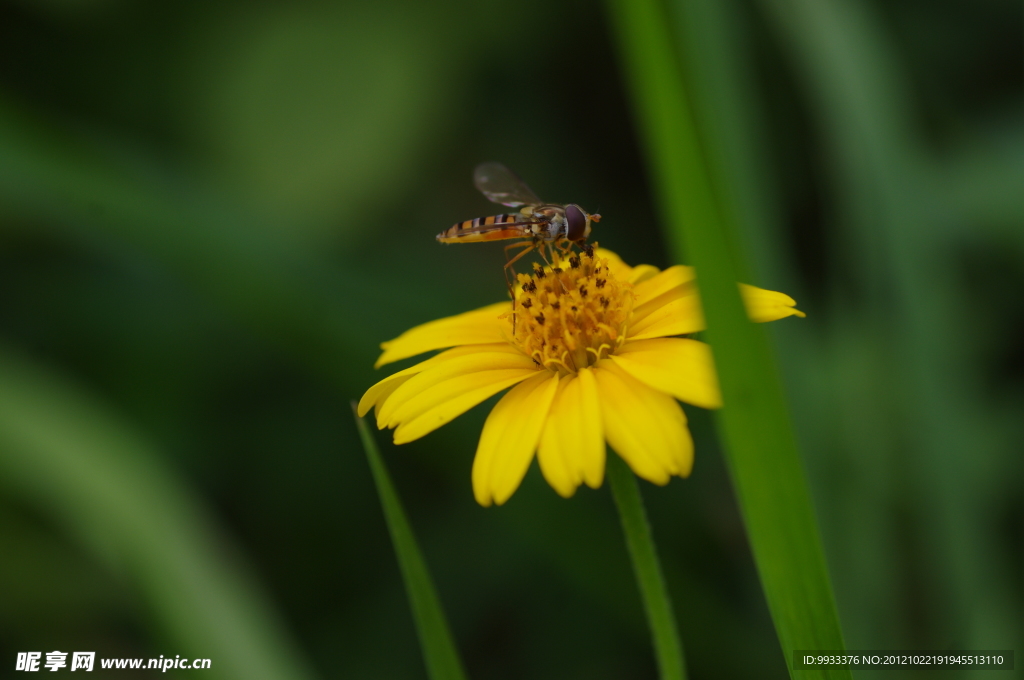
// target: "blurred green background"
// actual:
[[211, 214]]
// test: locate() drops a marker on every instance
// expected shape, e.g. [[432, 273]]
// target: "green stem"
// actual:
[[439, 653], [657, 604]]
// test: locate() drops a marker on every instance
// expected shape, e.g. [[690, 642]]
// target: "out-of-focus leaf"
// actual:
[[285, 289], [902, 214], [984, 181], [317, 112], [76, 463]]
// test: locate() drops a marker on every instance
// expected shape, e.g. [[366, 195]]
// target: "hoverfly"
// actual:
[[543, 225]]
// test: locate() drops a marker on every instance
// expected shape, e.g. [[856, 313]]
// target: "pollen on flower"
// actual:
[[561, 323]]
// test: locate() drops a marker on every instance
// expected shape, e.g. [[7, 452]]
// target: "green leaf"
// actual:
[[82, 467], [754, 425], [439, 654]]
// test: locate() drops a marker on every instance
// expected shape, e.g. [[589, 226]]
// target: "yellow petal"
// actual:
[[386, 390], [380, 391], [669, 304], [442, 403], [767, 305], [510, 437], [553, 464], [477, 327], [665, 317], [665, 282], [644, 426], [619, 269], [681, 367], [571, 447], [642, 273], [419, 389]]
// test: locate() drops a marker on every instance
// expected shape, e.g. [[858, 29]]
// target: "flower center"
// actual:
[[569, 316]]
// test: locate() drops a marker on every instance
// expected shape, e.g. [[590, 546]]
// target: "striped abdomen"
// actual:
[[492, 228]]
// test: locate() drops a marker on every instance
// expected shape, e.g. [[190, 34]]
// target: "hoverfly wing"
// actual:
[[501, 185]]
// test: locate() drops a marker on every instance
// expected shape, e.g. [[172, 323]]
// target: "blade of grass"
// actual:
[[755, 428], [439, 654], [91, 476], [657, 603]]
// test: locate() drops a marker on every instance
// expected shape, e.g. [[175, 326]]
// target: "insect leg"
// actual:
[[510, 273], [527, 246], [543, 256]]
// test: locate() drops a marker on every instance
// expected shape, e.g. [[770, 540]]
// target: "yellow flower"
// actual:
[[590, 357]]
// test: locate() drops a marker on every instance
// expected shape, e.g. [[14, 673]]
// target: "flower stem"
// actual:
[[657, 604], [439, 653]]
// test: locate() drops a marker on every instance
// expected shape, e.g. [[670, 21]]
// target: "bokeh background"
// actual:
[[211, 214]]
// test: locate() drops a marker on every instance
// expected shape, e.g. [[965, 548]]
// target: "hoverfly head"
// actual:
[[578, 222]]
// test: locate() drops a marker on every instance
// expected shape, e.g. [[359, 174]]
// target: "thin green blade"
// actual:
[[439, 654], [668, 648], [755, 427]]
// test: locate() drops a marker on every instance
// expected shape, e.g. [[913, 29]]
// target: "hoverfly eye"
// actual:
[[576, 223]]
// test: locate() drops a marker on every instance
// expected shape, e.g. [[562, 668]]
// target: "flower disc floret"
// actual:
[[571, 315]]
